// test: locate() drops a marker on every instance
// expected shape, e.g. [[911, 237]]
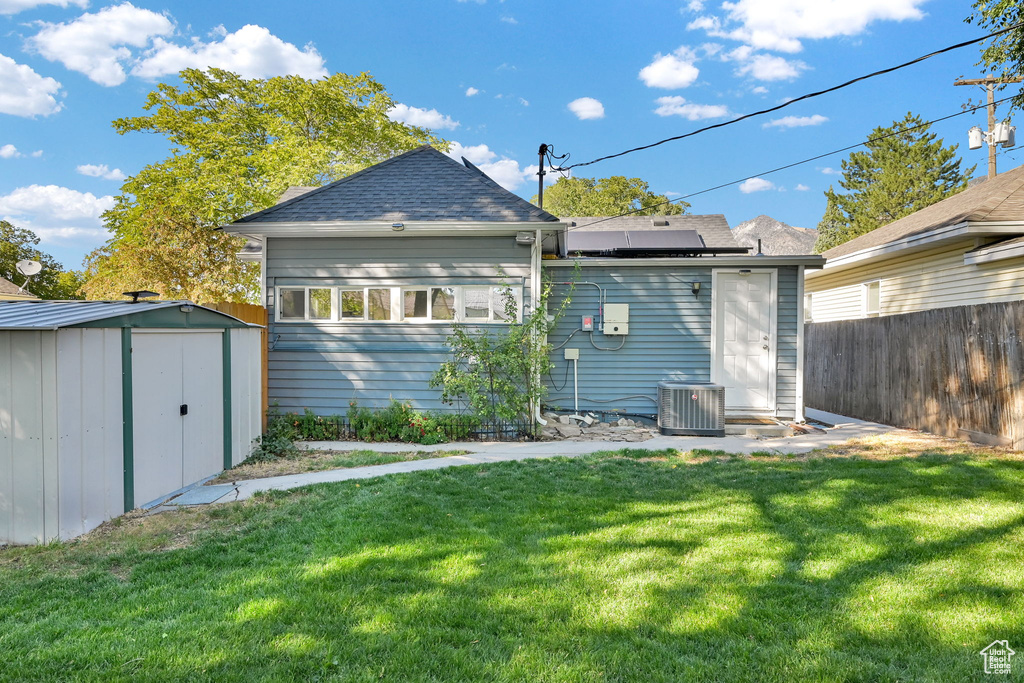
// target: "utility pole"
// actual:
[[542, 152], [990, 82]]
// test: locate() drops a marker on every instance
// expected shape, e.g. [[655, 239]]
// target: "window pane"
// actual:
[[504, 302], [808, 308], [293, 303], [352, 305], [478, 305], [320, 304], [442, 303], [415, 305], [379, 304], [872, 297]]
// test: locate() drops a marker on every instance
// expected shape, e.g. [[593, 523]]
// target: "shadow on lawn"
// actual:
[[582, 569]]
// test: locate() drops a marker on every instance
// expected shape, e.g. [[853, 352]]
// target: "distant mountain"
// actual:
[[776, 237]]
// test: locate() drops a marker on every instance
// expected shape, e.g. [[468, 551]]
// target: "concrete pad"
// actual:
[[202, 495]]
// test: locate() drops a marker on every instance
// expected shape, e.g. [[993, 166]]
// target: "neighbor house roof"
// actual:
[[1000, 199], [713, 228], [420, 185], [52, 315], [9, 290]]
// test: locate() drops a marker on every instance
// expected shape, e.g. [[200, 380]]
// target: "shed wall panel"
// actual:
[[27, 452], [246, 390], [325, 366], [91, 459]]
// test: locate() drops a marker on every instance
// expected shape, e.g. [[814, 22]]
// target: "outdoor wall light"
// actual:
[[186, 308], [695, 287], [525, 238], [398, 227]]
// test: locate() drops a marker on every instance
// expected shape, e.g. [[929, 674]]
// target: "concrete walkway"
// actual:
[[843, 429]]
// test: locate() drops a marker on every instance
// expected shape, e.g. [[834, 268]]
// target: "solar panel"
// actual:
[[664, 239], [595, 240]]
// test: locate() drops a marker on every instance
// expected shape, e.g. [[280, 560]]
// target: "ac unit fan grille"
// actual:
[[691, 409]]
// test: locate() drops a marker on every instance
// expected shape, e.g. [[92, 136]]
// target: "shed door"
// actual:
[[744, 332], [171, 370]]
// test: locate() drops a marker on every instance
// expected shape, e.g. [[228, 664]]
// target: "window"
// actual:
[[414, 304], [872, 298], [808, 308]]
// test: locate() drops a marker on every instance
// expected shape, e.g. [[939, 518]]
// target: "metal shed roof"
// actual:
[[53, 315]]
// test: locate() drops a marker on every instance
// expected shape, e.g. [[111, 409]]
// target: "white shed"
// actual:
[[106, 406]]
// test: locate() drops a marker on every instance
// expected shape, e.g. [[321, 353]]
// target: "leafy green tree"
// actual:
[[236, 145], [903, 169], [52, 282], [1003, 55], [607, 197]]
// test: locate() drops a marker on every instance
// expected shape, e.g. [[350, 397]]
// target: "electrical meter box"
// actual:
[[587, 323], [616, 319]]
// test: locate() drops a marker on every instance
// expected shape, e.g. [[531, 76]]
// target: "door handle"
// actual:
[[765, 347], [183, 409]]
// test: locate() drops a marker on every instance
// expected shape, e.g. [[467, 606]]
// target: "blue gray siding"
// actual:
[[669, 337], [324, 366]]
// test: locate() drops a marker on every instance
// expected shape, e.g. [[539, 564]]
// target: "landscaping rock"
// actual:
[[564, 419], [567, 430]]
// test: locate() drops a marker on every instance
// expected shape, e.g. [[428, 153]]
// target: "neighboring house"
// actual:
[[364, 277], [967, 249], [11, 291]]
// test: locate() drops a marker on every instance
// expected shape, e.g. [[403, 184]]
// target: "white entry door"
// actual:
[[178, 410], [743, 338]]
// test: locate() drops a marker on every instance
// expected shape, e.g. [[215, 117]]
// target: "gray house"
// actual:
[[364, 277]]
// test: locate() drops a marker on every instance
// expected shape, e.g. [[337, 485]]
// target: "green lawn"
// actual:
[[708, 568]]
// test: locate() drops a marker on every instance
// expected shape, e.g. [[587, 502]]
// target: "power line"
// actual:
[[798, 99], [795, 163]]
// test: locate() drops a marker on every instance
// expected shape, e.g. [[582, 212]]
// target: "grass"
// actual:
[[315, 461], [877, 561]]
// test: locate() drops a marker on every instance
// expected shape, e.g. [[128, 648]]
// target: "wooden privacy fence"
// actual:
[[251, 313], [950, 371]]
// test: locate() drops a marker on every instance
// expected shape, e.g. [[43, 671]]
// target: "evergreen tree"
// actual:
[[903, 169]]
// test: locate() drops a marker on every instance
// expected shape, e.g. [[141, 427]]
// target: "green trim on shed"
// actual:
[[128, 419], [171, 317], [226, 346]]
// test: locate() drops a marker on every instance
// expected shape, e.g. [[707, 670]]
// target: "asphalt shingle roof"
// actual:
[[713, 228], [420, 185], [8, 287], [999, 199]]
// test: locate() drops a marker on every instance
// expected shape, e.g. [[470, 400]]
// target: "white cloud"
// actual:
[[828, 170], [671, 71], [107, 45], [56, 214], [23, 92], [801, 188], [759, 90], [695, 6], [38, 153], [9, 152], [523, 101], [678, 106], [781, 25], [424, 118], [509, 20], [470, 91], [587, 108], [756, 185], [15, 6], [101, 171], [97, 44], [763, 67], [796, 121], [252, 52]]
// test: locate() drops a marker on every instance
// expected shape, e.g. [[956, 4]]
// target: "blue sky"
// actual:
[[497, 77]]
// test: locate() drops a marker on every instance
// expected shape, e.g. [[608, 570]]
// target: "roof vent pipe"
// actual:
[[759, 252]]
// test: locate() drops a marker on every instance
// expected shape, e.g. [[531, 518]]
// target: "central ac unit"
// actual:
[[691, 409]]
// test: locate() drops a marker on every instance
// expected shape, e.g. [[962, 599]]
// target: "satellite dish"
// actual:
[[29, 268]]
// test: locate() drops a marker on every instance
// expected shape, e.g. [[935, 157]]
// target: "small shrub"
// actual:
[[277, 441]]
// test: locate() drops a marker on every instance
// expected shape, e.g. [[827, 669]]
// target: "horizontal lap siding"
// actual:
[[324, 367], [669, 336]]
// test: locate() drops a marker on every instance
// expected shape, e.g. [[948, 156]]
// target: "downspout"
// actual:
[[535, 285]]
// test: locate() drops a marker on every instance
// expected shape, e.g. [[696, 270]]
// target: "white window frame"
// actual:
[[808, 307], [865, 288], [398, 303]]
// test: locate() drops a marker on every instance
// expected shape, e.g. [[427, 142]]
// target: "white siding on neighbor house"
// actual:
[[323, 366], [918, 281], [91, 459], [28, 444], [246, 385]]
